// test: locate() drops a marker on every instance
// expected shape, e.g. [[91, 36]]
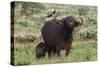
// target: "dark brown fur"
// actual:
[[59, 36]]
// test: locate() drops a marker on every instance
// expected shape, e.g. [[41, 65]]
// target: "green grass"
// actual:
[[81, 51]]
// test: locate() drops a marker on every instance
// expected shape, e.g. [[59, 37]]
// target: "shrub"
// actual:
[[88, 33], [25, 38]]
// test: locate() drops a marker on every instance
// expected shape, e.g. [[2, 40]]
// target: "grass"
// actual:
[[81, 51]]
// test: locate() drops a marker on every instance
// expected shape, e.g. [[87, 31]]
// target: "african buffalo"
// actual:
[[57, 34], [40, 50]]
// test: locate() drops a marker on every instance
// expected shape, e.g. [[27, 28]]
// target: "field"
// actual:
[[29, 19], [81, 51]]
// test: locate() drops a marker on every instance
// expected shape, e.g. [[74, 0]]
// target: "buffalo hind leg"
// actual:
[[49, 53]]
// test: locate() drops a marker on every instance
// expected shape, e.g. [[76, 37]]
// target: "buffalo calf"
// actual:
[[40, 50]]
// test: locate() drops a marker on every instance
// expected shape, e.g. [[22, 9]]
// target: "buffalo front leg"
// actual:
[[68, 51], [58, 52], [54, 52]]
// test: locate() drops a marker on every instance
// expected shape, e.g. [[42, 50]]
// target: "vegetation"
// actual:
[[29, 18], [81, 51]]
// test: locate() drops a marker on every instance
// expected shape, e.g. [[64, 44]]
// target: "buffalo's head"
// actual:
[[70, 21]]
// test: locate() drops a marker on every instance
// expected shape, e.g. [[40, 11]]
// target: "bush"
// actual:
[[88, 33], [25, 38]]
